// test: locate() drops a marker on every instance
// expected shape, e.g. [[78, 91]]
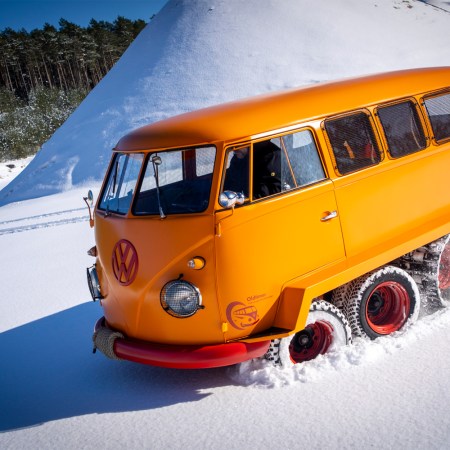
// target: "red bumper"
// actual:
[[186, 356]]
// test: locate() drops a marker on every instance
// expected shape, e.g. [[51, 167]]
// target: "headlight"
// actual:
[[93, 283], [180, 298]]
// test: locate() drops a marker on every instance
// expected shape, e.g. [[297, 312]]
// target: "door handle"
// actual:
[[329, 216]]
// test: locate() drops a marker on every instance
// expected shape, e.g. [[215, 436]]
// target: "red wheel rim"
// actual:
[[388, 307], [444, 268], [312, 341]]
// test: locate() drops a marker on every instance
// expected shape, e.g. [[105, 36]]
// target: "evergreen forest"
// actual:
[[46, 73]]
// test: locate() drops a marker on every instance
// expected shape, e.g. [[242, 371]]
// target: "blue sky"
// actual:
[[30, 14]]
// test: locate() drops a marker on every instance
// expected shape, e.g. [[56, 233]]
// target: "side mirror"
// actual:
[[228, 199], [89, 200], [240, 198], [156, 160]]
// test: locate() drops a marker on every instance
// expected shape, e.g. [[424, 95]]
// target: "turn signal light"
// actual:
[[196, 263]]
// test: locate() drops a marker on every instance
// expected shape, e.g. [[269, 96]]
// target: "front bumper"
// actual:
[[116, 346]]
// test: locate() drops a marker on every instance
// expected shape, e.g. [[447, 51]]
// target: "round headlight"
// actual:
[[180, 298], [93, 283]]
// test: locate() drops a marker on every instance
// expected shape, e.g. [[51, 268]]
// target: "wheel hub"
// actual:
[[376, 304], [303, 339], [310, 342], [388, 307]]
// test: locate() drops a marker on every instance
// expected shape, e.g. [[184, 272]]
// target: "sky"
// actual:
[[31, 14]]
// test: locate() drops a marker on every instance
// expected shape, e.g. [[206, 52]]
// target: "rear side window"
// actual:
[[438, 109], [353, 142], [402, 128]]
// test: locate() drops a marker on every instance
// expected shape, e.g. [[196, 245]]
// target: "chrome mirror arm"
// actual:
[[89, 200]]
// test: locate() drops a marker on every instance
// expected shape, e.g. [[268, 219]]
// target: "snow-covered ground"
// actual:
[[390, 393], [54, 393], [10, 169]]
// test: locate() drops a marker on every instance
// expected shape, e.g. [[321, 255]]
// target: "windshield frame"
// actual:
[[103, 201], [185, 168]]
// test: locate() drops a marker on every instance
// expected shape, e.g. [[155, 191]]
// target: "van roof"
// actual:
[[241, 119]]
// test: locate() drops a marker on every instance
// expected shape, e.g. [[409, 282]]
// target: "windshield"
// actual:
[[121, 184], [176, 182]]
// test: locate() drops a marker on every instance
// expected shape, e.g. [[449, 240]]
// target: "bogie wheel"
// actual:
[[326, 329], [381, 302]]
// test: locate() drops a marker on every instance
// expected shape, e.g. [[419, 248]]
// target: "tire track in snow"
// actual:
[[36, 224], [41, 216]]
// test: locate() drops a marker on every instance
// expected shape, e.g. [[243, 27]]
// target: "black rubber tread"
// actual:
[[338, 296], [273, 353], [361, 287]]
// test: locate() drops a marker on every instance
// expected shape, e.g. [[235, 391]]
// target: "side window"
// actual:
[[402, 128], [279, 164], [353, 142], [267, 164], [237, 170], [285, 163], [266, 160], [438, 109], [302, 159]]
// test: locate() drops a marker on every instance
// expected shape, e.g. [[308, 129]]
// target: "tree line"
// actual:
[[46, 73], [71, 57]]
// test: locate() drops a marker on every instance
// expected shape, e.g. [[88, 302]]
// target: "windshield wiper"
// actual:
[[112, 187], [156, 161]]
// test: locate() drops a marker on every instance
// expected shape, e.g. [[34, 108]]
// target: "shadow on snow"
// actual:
[[48, 373]]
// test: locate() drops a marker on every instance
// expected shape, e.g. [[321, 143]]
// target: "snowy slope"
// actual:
[[203, 52], [54, 394], [441, 4]]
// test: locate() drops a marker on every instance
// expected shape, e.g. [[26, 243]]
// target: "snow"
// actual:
[[203, 52], [390, 393], [10, 169], [393, 392]]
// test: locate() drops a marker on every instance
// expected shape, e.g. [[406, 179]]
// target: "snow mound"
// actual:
[[199, 53]]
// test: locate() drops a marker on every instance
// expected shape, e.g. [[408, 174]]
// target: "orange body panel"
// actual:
[[266, 260], [163, 251], [265, 243]]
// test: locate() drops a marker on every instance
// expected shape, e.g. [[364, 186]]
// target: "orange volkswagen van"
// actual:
[[277, 226]]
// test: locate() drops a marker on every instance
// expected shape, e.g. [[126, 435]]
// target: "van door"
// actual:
[[275, 238]]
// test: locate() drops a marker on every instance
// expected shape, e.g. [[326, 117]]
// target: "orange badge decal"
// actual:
[[241, 316], [125, 262]]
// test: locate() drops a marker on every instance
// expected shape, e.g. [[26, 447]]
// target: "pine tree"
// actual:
[[46, 73]]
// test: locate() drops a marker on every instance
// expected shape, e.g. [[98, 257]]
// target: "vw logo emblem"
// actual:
[[125, 262]]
